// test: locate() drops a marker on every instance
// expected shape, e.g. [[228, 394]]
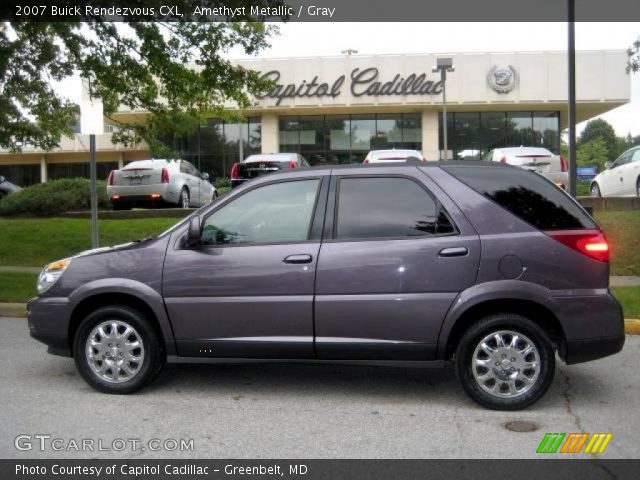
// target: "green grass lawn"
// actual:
[[17, 287], [623, 232], [37, 241]]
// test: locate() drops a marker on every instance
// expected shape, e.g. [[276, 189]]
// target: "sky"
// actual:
[[300, 39]]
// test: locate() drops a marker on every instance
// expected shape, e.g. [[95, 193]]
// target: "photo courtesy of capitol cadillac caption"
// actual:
[[319, 239]]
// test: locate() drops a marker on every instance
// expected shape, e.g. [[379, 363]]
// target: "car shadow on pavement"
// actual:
[[300, 379]]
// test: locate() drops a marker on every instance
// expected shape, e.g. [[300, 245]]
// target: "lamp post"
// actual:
[[444, 65], [571, 77], [92, 124]]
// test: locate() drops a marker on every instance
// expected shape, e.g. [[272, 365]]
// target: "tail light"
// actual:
[[366, 160], [503, 160], [591, 243], [563, 164], [292, 164], [165, 175], [110, 179], [234, 170]]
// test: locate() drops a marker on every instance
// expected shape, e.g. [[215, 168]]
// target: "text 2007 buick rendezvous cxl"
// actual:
[[491, 266]]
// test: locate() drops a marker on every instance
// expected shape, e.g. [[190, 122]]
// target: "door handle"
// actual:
[[298, 259], [454, 252]]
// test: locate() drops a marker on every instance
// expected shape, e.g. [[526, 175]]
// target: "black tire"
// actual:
[[152, 361], [505, 322], [214, 196], [638, 187], [185, 199], [594, 190]]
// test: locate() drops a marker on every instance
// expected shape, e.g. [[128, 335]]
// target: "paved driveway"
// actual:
[[296, 411]]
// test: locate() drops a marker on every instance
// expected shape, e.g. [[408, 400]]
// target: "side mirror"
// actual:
[[204, 176], [608, 165], [194, 232]]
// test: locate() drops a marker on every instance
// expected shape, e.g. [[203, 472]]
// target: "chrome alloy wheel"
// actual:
[[184, 198], [114, 351], [506, 364]]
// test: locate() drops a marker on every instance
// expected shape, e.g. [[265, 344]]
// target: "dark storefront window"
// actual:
[[214, 146], [335, 139], [79, 170], [473, 134], [21, 175]]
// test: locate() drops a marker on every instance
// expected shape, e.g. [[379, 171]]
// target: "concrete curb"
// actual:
[[631, 325]]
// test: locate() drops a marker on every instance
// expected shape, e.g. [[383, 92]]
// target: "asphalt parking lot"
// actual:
[[302, 411]]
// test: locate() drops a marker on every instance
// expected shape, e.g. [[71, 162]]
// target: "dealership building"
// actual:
[[336, 109]]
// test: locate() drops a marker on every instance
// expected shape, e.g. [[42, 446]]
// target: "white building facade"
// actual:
[[336, 109]]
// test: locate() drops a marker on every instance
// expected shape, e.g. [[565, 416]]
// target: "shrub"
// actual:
[[222, 182], [53, 198]]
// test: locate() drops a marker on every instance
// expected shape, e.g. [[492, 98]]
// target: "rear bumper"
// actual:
[[131, 194], [559, 178], [236, 182], [593, 326], [579, 351]]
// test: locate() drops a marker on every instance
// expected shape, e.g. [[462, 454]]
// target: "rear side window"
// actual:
[[388, 207], [527, 195]]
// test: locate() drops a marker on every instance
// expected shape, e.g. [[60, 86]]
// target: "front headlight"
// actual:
[[51, 273]]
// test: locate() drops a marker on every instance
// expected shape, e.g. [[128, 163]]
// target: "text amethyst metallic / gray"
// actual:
[[487, 265]]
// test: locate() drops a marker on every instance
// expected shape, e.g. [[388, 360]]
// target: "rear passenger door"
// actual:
[[396, 252]]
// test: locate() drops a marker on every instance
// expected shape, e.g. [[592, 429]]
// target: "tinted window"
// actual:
[[276, 213], [387, 207], [527, 195]]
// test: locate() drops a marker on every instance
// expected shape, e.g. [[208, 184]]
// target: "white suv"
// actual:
[[391, 156], [621, 178]]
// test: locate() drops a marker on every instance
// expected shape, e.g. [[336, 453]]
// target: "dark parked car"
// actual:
[[255, 165], [488, 265], [7, 188]]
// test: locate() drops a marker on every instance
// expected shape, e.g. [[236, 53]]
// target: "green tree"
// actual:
[[603, 130], [177, 71], [592, 153], [633, 52]]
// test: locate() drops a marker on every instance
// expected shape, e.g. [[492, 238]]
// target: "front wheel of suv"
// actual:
[[505, 362], [117, 350]]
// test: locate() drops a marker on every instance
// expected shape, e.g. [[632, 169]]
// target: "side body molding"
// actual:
[[488, 291], [136, 289]]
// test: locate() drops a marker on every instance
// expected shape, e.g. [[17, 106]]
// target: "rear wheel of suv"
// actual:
[[505, 362], [117, 350]]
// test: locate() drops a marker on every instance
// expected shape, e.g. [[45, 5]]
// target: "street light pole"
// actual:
[[571, 11], [94, 193], [444, 65]]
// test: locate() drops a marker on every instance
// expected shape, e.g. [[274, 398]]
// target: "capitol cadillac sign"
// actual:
[[362, 82], [367, 82]]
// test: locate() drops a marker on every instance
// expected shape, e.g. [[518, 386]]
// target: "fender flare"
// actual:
[[152, 298], [489, 291]]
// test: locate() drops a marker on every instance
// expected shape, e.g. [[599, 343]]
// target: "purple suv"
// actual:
[[491, 266]]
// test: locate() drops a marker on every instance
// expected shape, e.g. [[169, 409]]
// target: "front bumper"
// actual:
[[48, 319]]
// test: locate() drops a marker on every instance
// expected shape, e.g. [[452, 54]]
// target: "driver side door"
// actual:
[[247, 290]]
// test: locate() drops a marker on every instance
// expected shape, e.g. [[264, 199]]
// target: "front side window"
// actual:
[[275, 213], [388, 207], [636, 156]]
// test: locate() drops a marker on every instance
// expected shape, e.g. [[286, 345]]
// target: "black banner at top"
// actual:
[[318, 10]]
